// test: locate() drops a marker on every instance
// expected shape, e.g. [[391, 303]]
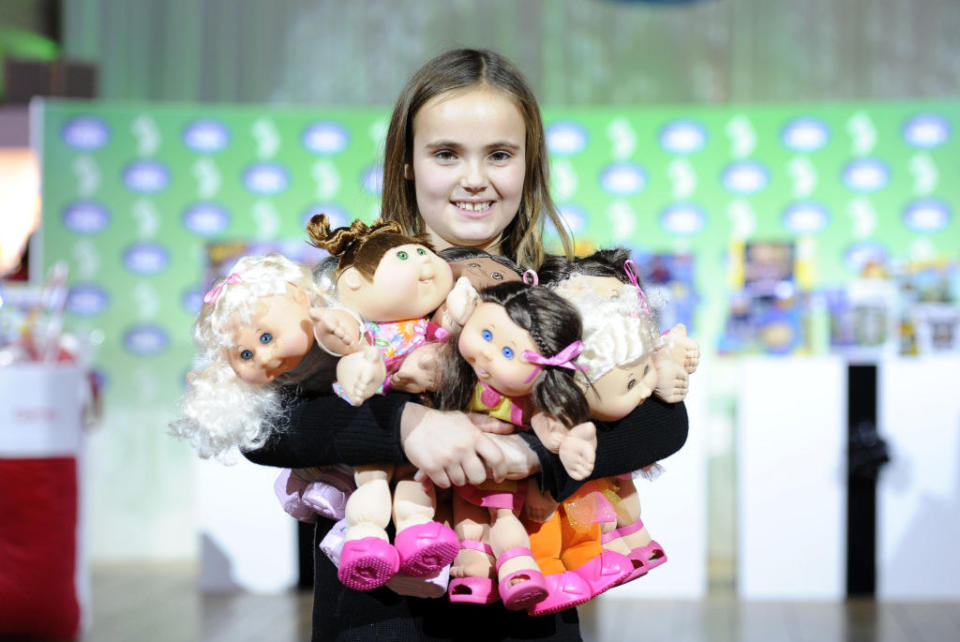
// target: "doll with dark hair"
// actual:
[[515, 362]]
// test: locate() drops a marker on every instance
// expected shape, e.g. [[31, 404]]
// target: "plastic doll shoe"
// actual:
[[524, 588], [325, 499], [367, 563], [606, 571], [424, 549], [650, 556], [564, 590], [473, 589]]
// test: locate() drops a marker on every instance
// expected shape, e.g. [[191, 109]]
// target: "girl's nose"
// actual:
[[473, 179]]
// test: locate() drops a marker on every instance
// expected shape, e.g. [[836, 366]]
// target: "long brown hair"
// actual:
[[461, 69]]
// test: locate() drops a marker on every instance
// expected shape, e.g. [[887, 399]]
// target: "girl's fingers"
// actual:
[[456, 475], [475, 470]]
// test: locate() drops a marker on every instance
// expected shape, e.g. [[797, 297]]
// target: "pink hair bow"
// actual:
[[631, 269], [214, 293], [563, 359]]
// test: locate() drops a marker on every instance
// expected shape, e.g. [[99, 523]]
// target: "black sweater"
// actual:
[[326, 430]]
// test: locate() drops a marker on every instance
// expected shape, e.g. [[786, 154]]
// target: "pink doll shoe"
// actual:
[[367, 563], [528, 591], [564, 590], [424, 549], [606, 571], [650, 556], [472, 589]]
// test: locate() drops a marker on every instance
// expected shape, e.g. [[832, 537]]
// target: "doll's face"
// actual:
[[615, 394], [605, 287], [279, 335], [410, 282], [482, 272], [493, 345]]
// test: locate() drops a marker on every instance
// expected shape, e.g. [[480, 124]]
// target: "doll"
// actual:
[[388, 283], [256, 344], [515, 361]]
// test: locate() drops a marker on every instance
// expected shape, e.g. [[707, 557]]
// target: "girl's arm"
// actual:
[[389, 429], [654, 430]]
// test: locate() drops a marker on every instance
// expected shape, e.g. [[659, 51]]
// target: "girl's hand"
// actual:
[[448, 448]]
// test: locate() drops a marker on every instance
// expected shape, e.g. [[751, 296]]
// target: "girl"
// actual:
[[466, 163]]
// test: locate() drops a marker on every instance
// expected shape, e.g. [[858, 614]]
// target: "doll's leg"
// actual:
[[644, 551], [684, 351], [565, 589], [368, 560], [583, 554], [425, 546], [472, 574], [521, 584]]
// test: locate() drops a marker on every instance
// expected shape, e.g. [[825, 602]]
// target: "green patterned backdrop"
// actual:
[[132, 193]]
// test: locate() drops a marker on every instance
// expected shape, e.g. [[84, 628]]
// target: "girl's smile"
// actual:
[[469, 164]]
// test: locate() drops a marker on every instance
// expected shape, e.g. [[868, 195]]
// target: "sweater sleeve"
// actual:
[[653, 431], [327, 430]]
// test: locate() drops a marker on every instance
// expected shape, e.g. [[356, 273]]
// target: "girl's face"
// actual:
[[614, 395], [493, 345], [469, 163], [279, 335]]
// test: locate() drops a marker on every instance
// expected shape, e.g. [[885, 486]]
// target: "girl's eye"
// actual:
[[421, 251], [487, 335], [507, 352], [443, 155], [266, 337], [631, 384], [246, 355], [403, 256], [500, 157]]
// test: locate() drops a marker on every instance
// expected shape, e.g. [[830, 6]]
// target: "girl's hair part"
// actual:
[[461, 69], [360, 245]]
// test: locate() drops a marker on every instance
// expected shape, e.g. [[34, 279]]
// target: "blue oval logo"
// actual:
[[146, 340], [337, 215], [87, 300], [192, 300], [325, 138], [85, 133], [574, 217], [746, 177], [206, 219], [683, 137], [566, 138], [146, 259], [146, 176], [624, 179], [683, 219], [926, 131], [266, 179], [88, 217], [373, 180], [866, 175], [206, 135], [805, 134], [806, 218], [858, 255], [927, 216]]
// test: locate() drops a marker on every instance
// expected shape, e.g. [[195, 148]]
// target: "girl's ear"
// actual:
[[350, 278], [407, 171]]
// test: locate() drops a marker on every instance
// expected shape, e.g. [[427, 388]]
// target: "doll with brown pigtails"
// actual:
[[514, 360], [624, 361], [388, 283]]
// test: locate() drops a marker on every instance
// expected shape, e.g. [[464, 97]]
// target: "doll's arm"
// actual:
[[337, 330], [419, 371], [653, 431], [360, 374], [460, 303], [672, 380], [576, 446]]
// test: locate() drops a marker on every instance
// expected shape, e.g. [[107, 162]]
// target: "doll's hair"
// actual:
[[219, 410], [600, 263], [617, 331], [360, 246], [553, 324], [462, 253], [464, 69]]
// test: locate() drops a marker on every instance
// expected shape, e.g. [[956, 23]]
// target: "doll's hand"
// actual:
[[420, 371], [578, 450], [361, 374], [683, 350], [448, 448], [672, 380], [538, 507], [461, 301], [336, 330]]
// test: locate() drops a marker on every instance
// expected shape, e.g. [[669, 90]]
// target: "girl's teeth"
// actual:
[[473, 207]]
